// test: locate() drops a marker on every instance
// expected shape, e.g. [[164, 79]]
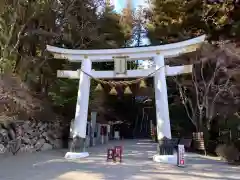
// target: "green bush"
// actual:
[[228, 152]]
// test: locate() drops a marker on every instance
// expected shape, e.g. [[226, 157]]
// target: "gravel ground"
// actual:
[[137, 165]]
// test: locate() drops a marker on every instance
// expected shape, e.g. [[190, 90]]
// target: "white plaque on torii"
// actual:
[[120, 65]]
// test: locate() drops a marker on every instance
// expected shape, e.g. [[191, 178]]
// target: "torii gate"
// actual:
[[158, 53]]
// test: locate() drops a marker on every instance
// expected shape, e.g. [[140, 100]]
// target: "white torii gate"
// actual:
[[158, 53]]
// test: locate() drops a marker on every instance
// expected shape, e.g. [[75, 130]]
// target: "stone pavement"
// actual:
[[137, 165]]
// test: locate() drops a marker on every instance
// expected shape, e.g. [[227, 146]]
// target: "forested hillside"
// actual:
[[28, 26]]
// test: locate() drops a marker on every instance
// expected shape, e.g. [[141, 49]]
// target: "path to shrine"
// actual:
[[137, 165]]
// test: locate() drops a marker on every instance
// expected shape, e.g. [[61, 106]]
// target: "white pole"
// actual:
[[81, 114], [161, 96]]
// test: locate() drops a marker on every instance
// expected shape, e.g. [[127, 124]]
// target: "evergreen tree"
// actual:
[[126, 22], [139, 30], [176, 20], [111, 29]]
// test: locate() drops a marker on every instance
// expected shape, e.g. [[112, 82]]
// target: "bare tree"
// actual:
[[211, 89]]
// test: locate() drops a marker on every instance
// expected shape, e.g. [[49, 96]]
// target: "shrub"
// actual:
[[228, 152]]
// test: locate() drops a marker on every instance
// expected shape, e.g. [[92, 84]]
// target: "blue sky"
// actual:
[[120, 4]]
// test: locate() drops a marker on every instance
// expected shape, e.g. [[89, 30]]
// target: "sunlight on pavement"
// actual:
[[80, 176]]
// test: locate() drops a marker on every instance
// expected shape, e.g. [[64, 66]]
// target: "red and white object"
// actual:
[[181, 156]]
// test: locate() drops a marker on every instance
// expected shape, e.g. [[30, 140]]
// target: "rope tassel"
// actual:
[[127, 90], [113, 91], [142, 84], [99, 87]]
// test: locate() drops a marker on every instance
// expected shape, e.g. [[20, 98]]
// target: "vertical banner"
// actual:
[[181, 156]]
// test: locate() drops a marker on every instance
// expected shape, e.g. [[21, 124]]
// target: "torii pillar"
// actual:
[[81, 113], [161, 97]]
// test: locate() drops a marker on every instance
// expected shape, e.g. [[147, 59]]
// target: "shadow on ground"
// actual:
[[137, 165]]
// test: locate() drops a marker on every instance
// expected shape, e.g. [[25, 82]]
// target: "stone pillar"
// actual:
[[81, 115], [108, 132], [106, 135], [161, 96], [87, 140], [102, 136], [93, 128], [99, 133]]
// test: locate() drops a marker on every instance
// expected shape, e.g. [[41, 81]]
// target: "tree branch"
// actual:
[[21, 31]]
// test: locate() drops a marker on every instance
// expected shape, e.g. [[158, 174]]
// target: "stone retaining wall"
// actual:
[[28, 136]]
